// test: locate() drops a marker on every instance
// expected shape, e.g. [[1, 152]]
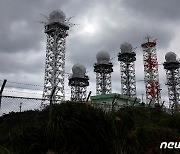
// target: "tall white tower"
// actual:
[[103, 69], [56, 30], [127, 58]]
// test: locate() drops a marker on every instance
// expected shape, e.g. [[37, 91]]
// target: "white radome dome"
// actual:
[[170, 57], [57, 16], [78, 70], [103, 57], [126, 48]]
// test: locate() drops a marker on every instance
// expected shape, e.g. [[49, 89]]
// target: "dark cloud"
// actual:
[[101, 25], [18, 28], [22, 63]]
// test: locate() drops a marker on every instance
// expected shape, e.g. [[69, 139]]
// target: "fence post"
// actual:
[[50, 108], [1, 91], [134, 101], [113, 102], [88, 96]]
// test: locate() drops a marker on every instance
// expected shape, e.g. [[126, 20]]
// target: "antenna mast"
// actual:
[[151, 76]]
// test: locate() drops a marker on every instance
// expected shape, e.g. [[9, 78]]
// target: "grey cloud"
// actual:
[[117, 22], [18, 29], [24, 63], [155, 9]]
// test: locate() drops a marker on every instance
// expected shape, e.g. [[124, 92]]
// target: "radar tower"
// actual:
[[78, 82], [103, 69], [172, 65], [127, 58], [56, 29]]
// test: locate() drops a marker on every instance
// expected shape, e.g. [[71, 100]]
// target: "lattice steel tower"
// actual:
[[103, 69], [151, 75], [56, 29], [172, 66], [78, 82], [127, 58]]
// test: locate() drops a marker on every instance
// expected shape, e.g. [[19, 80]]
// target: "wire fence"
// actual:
[[10, 104], [20, 104]]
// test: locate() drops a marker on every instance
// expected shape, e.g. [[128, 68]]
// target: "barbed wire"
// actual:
[[30, 84], [14, 91], [21, 88], [28, 88], [25, 92]]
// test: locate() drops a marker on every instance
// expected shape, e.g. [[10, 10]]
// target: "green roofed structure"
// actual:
[[113, 101]]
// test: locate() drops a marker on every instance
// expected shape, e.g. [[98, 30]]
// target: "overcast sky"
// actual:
[[101, 25]]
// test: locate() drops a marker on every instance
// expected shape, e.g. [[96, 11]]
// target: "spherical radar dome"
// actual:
[[126, 48], [170, 57], [103, 57], [57, 16], [78, 70]]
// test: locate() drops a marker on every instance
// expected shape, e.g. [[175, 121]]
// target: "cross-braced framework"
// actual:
[[103, 78], [128, 81], [55, 59], [173, 82], [78, 88], [151, 76]]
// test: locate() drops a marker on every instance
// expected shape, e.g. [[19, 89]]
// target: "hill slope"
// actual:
[[78, 128]]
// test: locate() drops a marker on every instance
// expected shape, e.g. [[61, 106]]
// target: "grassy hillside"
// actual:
[[78, 128]]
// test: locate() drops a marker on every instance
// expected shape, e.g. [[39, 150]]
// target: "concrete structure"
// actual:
[[113, 101]]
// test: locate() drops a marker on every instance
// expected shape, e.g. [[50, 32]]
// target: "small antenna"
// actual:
[[46, 17], [155, 40], [148, 37], [41, 22], [68, 19]]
